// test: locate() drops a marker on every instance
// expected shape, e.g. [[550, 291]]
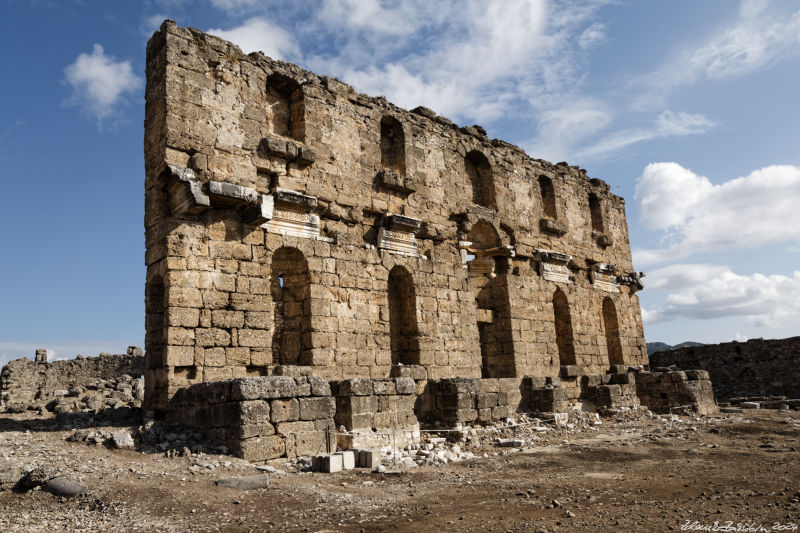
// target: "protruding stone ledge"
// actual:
[[571, 371], [553, 226], [285, 149], [632, 280], [602, 239], [230, 195], [186, 195], [395, 181]]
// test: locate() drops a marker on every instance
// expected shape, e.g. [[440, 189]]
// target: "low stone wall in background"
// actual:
[[754, 368], [25, 383]]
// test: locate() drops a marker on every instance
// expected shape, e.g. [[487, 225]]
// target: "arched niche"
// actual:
[[290, 287], [403, 330]]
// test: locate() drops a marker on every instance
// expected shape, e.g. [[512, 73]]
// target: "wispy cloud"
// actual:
[[764, 33], [667, 124], [694, 214], [471, 60], [100, 83], [592, 36]]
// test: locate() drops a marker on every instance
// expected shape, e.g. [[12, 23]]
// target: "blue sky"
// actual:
[[688, 109]]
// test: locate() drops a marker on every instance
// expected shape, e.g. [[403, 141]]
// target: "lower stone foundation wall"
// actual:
[[263, 418], [260, 418], [23, 382], [662, 392], [373, 410]]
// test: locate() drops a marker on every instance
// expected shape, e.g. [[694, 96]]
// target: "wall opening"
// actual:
[[393, 145], [548, 194], [480, 176], [291, 296], [611, 326], [563, 322], [596, 211], [285, 99], [403, 317], [154, 328], [489, 281]]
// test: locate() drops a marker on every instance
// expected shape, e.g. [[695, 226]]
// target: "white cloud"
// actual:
[[755, 210], [763, 34], [375, 16], [151, 23], [559, 130], [713, 291], [592, 36], [235, 6], [667, 124], [99, 83], [258, 34]]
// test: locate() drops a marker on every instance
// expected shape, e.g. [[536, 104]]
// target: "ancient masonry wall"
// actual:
[[754, 368], [264, 418], [23, 381], [292, 221]]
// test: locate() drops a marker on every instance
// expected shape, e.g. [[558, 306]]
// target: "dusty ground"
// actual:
[[632, 473]]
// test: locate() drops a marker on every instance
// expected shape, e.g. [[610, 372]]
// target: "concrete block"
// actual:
[[327, 463], [348, 459], [369, 458]]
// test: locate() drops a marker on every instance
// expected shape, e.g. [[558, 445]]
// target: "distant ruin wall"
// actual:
[[753, 368], [22, 381]]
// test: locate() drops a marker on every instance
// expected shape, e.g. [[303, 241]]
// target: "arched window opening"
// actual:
[[393, 145], [563, 324], [482, 236], [596, 211], [480, 177], [291, 295], [403, 317], [285, 99], [611, 326], [548, 198], [494, 327], [154, 330]]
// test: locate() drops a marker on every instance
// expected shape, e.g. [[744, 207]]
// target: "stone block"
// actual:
[[348, 459], [327, 463], [385, 386], [258, 449], [370, 458], [316, 408], [352, 387], [263, 388], [405, 385], [285, 410]]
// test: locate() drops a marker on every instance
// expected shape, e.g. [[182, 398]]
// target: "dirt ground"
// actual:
[[635, 472]]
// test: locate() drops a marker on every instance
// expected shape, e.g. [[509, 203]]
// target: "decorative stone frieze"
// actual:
[[603, 277], [292, 214], [397, 234], [553, 265]]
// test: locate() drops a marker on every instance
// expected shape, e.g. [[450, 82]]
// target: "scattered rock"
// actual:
[[122, 439], [63, 487], [260, 481]]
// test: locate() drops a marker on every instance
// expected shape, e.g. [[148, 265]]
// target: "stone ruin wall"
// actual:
[[754, 368], [292, 221], [23, 381]]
